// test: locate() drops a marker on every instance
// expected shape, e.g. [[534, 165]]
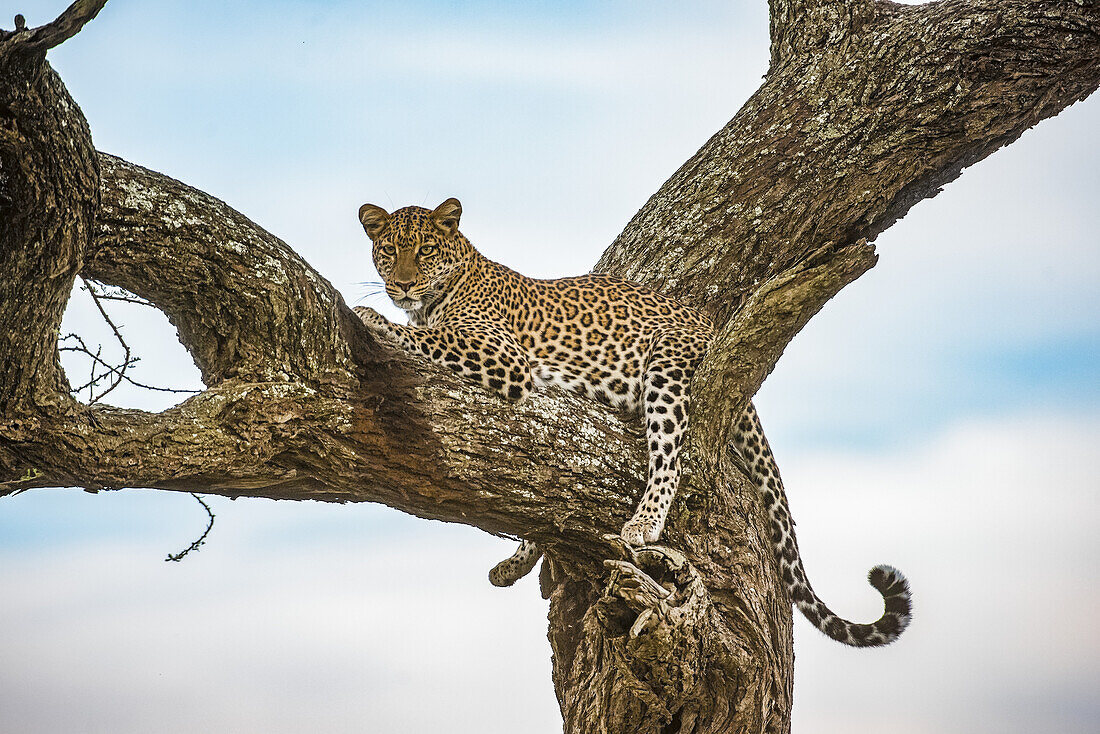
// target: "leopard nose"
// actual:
[[404, 285]]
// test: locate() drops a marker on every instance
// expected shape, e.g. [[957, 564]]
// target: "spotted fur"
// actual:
[[617, 342]]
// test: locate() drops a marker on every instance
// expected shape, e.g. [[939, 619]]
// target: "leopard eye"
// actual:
[[389, 250], [428, 249]]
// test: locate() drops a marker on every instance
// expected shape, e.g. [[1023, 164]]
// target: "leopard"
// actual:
[[614, 341]]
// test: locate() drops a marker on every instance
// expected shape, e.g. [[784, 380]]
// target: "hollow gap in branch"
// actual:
[[97, 353]]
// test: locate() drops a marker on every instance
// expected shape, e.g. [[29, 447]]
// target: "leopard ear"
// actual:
[[446, 216], [374, 219]]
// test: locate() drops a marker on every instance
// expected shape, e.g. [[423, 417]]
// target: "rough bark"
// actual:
[[868, 108], [49, 191]]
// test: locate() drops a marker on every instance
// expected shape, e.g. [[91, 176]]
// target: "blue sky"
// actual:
[[941, 414]]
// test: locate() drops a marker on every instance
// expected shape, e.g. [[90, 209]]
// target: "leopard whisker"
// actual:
[[372, 297]]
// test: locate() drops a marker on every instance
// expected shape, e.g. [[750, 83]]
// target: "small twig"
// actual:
[[92, 379], [202, 538], [113, 368], [94, 357], [126, 361], [114, 293]]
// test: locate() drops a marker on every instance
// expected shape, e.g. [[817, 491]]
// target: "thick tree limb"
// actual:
[[861, 115], [46, 157], [245, 304], [841, 141], [64, 27]]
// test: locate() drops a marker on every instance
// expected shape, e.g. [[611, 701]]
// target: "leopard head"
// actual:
[[416, 250]]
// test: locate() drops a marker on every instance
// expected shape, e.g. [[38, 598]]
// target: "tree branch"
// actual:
[[302, 402], [212, 272], [245, 304], [49, 192], [65, 26], [837, 146]]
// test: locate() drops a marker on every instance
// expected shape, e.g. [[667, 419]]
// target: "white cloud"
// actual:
[[319, 636]]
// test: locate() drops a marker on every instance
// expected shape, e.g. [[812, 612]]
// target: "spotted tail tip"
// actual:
[[892, 584]]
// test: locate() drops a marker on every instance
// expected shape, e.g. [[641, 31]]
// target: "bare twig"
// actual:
[[127, 360], [202, 538], [114, 293]]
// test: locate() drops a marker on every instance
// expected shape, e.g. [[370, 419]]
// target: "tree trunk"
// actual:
[[868, 107]]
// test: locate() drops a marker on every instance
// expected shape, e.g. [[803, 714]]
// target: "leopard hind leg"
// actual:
[[665, 401], [515, 567]]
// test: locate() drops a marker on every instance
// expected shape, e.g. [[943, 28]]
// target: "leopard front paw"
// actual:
[[641, 531], [373, 320]]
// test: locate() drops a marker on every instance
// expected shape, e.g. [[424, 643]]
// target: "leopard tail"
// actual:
[[750, 442]]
